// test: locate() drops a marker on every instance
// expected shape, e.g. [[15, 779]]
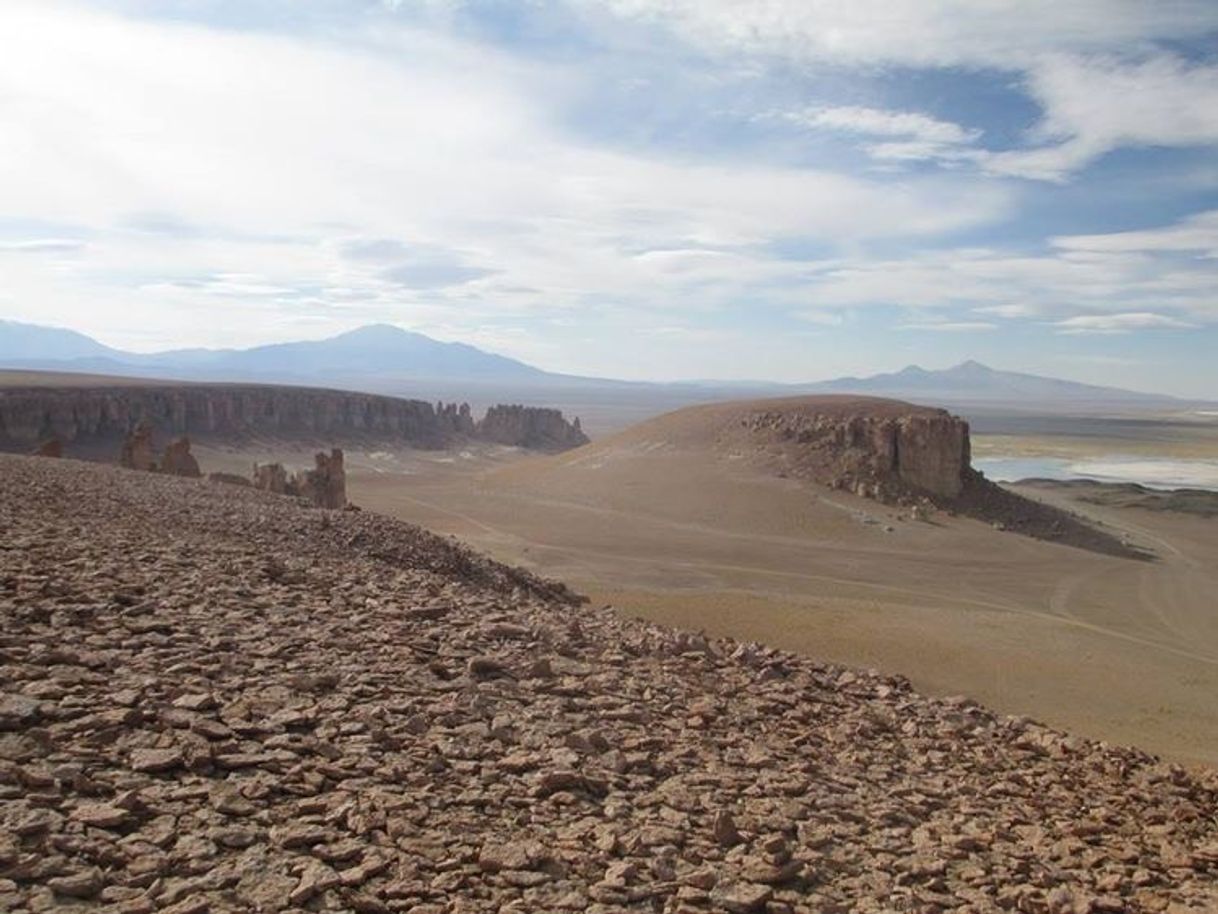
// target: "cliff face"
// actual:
[[209, 412], [531, 427], [882, 454]]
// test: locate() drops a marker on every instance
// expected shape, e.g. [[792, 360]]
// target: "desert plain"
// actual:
[[657, 526]]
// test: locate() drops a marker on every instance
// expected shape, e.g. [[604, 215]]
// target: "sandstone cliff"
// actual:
[[881, 449], [78, 415], [531, 427]]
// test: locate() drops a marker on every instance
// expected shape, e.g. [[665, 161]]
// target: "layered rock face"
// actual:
[[896, 453], [531, 427], [880, 452], [213, 701], [226, 411]]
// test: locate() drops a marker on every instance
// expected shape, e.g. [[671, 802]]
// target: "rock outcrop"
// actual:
[[178, 461], [213, 701], [878, 448], [326, 484], [137, 452], [52, 447], [531, 427], [239, 411], [271, 477]]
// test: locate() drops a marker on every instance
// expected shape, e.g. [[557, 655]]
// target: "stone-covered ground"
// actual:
[[214, 699]]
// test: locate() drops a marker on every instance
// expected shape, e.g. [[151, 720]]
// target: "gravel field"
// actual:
[[213, 699]]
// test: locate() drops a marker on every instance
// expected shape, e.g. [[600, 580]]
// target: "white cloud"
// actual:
[[189, 153], [916, 136], [919, 33], [1093, 105], [1012, 311], [823, 318], [944, 326], [1139, 280], [42, 246], [1198, 233], [880, 122], [1092, 65], [1119, 323]]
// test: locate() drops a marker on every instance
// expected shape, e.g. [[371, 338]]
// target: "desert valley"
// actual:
[[608, 457], [374, 718]]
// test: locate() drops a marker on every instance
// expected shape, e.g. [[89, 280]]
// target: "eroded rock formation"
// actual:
[[52, 447], [326, 484], [531, 427], [896, 453], [271, 477], [237, 411], [177, 459], [886, 451], [137, 453]]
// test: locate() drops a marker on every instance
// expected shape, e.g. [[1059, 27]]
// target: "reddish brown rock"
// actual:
[[178, 461], [879, 449], [271, 477], [52, 447], [137, 451], [326, 484]]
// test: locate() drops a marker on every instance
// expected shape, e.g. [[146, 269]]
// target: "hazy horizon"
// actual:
[[896, 371], [637, 189]]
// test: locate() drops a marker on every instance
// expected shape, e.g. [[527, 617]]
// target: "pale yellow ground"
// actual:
[[1110, 648]]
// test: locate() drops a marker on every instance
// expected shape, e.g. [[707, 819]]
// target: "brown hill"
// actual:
[[218, 700], [893, 452]]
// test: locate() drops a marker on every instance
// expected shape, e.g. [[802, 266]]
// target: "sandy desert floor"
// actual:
[[1111, 648]]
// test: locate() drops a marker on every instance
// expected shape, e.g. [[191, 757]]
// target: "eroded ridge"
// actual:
[[213, 699]]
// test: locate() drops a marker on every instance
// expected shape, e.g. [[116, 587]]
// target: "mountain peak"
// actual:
[[370, 332], [972, 366]]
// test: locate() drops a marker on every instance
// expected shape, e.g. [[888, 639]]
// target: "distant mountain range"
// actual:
[[375, 350], [973, 382], [382, 357]]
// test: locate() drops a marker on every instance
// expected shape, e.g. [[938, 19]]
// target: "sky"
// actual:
[[784, 190]]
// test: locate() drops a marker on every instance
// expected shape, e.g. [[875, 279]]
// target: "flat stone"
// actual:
[[155, 761]]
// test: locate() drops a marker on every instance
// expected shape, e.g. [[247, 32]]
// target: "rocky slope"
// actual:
[[207, 412], [213, 699]]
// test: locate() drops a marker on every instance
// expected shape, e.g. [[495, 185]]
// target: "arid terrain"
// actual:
[[662, 527], [711, 527], [215, 699]]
